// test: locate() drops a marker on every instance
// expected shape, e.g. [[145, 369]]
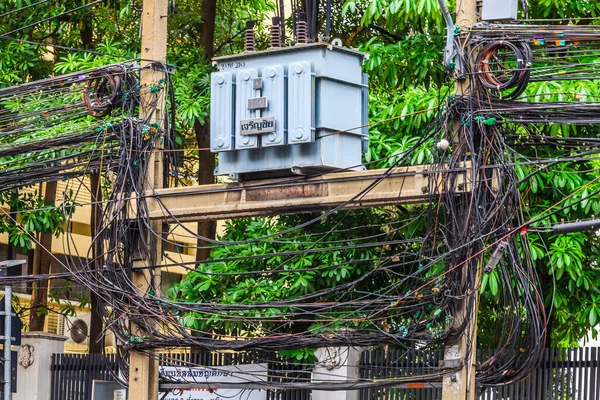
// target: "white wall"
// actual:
[[589, 342], [33, 382]]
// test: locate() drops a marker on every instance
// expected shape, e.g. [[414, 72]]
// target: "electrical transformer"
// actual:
[[495, 10], [289, 110]]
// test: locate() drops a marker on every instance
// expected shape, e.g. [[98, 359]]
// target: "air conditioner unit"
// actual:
[[74, 331], [53, 323], [76, 328]]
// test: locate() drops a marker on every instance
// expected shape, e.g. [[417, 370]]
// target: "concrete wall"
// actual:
[[33, 381], [336, 364]]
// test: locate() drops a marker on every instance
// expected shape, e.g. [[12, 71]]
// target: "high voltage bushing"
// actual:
[[302, 29], [249, 42], [276, 32]]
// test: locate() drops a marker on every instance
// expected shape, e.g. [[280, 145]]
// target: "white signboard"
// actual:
[[219, 377], [120, 394], [257, 125]]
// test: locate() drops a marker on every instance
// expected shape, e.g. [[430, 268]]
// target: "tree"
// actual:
[[204, 37], [404, 40], [206, 163], [33, 216], [231, 282], [568, 263], [41, 265]]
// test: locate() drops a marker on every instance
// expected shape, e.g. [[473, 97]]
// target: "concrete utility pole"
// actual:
[[461, 385], [143, 370]]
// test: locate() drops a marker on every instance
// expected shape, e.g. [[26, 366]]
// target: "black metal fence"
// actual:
[[395, 363], [564, 374], [73, 374]]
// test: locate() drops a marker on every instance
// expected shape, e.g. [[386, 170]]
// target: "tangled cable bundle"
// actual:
[[503, 65], [104, 90], [46, 133], [428, 278]]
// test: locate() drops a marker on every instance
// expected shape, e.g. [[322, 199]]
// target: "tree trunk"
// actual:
[[39, 294], [206, 167], [96, 345], [206, 162], [208, 13], [86, 33]]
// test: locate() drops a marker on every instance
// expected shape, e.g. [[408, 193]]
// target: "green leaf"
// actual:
[[494, 287]]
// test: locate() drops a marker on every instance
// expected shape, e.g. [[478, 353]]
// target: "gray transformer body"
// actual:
[[293, 110], [497, 10]]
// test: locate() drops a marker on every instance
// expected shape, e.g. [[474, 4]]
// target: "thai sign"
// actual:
[[257, 125], [213, 382]]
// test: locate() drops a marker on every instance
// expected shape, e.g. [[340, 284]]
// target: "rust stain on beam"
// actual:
[[283, 193]]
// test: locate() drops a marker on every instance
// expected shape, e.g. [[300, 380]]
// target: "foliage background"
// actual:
[[404, 39]]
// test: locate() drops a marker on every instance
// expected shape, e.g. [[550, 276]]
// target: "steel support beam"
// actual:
[[348, 190]]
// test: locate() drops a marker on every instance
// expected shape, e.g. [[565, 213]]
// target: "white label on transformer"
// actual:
[[257, 125]]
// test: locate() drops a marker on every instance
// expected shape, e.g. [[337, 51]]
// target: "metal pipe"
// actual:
[[328, 19], [282, 21], [7, 341], [312, 35], [449, 50], [579, 226]]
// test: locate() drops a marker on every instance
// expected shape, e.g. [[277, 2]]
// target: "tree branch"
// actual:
[[385, 32]]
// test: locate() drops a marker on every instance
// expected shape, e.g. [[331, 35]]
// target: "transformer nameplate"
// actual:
[[257, 103], [257, 125]]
